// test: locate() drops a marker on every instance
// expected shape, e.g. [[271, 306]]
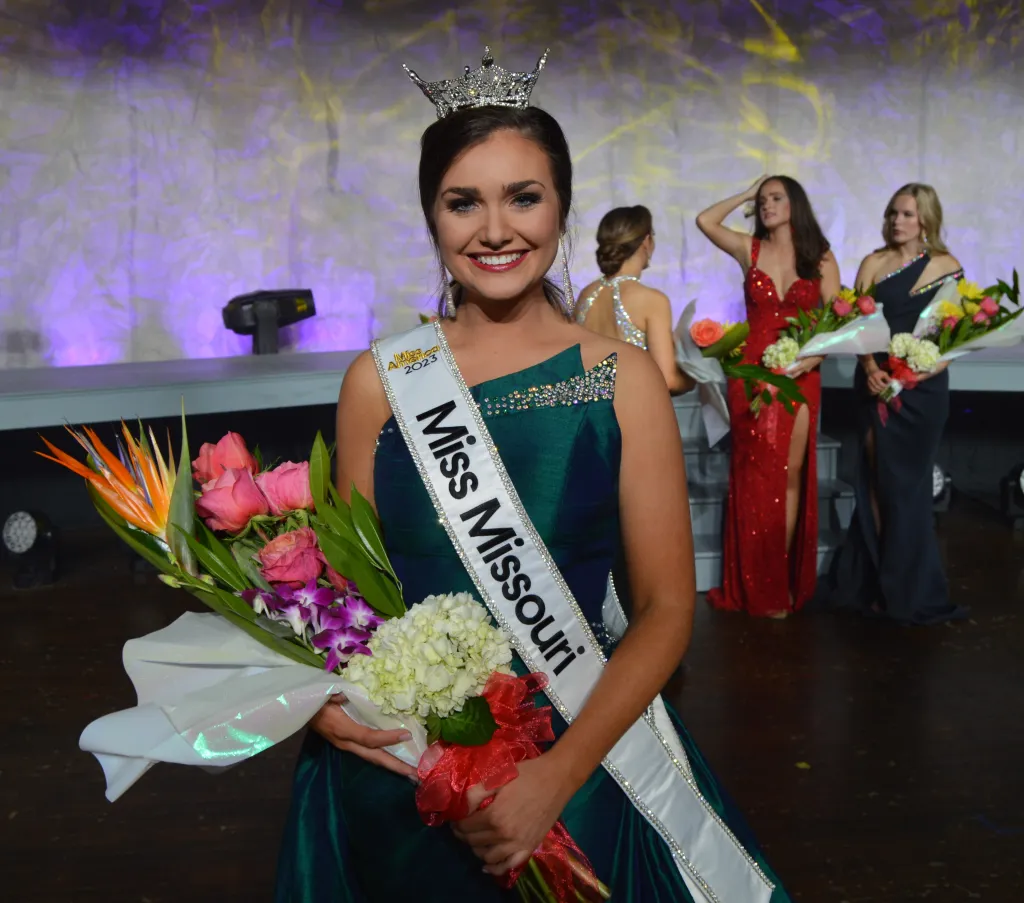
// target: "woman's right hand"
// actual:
[[334, 724], [878, 379], [752, 191]]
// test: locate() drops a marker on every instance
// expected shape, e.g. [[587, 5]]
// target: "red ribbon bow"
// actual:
[[903, 373], [447, 771]]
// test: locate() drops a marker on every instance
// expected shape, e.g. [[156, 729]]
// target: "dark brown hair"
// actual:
[[809, 241], [447, 139], [619, 234]]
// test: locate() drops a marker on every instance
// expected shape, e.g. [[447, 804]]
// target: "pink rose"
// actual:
[[842, 308], [230, 501], [213, 460], [980, 317], [866, 305], [950, 323], [291, 558], [287, 487], [989, 307]]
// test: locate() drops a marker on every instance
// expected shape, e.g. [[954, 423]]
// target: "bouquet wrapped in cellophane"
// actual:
[[960, 319], [851, 323], [306, 606], [709, 352]]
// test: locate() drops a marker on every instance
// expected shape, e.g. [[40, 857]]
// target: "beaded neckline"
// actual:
[[596, 384], [956, 275], [900, 269]]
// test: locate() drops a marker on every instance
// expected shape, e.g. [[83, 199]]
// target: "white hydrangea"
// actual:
[[436, 656], [780, 354], [923, 357], [901, 344]]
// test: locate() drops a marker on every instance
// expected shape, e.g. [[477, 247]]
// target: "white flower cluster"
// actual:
[[921, 354], [781, 354], [436, 656], [900, 344]]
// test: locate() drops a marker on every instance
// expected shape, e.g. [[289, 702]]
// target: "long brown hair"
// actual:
[[809, 241], [445, 140], [619, 234]]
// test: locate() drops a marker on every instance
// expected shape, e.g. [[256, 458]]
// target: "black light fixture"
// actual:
[[942, 489], [1012, 495], [30, 542], [262, 314]]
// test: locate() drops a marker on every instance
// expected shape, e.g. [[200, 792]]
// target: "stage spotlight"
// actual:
[[262, 314], [942, 489], [1012, 495], [30, 541]]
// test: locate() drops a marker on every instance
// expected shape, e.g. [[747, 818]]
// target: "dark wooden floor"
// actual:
[[876, 763]]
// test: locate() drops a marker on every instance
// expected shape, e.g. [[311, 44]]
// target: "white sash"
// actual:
[[525, 592]]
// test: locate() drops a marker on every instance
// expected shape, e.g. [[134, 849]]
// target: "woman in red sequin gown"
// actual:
[[771, 519]]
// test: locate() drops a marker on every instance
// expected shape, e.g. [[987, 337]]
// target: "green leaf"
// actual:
[[473, 726], [258, 457], [182, 512], [243, 553], [319, 471], [146, 546], [354, 563], [433, 728], [220, 568], [766, 396], [364, 519], [729, 342]]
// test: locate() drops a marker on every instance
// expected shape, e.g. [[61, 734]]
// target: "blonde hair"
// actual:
[[619, 234], [929, 215]]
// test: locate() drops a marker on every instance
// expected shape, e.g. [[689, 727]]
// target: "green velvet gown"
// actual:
[[353, 834]]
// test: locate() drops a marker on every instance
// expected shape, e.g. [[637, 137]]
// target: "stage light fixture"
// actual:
[[942, 489], [1012, 495], [262, 314], [30, 542]]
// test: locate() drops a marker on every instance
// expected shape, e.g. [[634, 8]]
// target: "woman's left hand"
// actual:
[[805, 365], [505, 833]]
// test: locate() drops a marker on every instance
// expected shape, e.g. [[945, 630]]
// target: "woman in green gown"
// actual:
[[589, 438]]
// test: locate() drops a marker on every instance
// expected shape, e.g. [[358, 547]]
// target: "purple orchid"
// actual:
[[316, 599], [341, 641], [357, 612], [278, 608]]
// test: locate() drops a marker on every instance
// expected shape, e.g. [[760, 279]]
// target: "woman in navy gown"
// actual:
[[889, 564]]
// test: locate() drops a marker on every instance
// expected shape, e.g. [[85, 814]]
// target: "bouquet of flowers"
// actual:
[[307, 606], [710, 352], [850, 323], [961, 318]]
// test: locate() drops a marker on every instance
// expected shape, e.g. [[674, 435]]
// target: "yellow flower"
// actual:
[[948, 309], [848, 295], [969, 291], [971, 308]]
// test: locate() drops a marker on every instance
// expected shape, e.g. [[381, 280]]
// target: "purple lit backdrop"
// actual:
[[158, 157]]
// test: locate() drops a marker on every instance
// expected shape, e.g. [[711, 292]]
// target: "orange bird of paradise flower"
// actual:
[[136, 483]]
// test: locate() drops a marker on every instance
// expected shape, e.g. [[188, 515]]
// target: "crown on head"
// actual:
[[488, 86]]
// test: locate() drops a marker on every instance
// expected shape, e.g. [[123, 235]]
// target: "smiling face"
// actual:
[[773, 204], [904, 222], [497, 217]]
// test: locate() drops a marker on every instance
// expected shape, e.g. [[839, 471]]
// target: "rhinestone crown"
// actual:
[[488, 86]]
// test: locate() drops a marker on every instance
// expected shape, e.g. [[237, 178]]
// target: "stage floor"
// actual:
[[55, 395], [874, 762]]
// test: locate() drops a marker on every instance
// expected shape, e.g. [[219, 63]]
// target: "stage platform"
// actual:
[[54, 395]]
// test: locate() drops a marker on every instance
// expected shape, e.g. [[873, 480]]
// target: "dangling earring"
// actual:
[[570, 299], [449, 299], [924, 236]]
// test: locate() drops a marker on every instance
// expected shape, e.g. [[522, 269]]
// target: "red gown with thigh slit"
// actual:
[[759, 575]]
